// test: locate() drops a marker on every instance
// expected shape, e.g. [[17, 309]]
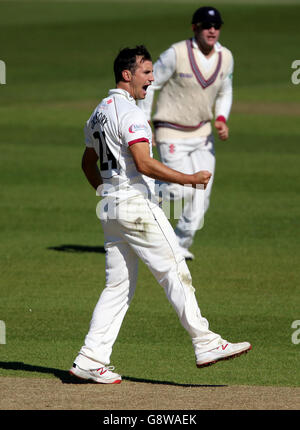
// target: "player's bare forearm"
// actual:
[[155, 169], [92, 174], [90, 168]]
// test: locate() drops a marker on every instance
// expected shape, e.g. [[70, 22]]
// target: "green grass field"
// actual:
[[58, 59]]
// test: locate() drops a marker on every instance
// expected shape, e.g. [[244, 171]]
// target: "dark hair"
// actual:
[[126, 60]]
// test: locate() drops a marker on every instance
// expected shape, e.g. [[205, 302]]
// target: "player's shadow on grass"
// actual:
[[66, 378], [77, 248]]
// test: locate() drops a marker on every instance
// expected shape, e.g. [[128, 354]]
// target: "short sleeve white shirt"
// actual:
[[115, 125]]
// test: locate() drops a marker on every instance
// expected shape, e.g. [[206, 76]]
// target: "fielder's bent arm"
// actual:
[[90, 168], [153, 168]]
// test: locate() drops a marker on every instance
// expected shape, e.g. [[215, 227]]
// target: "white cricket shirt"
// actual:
[[115, 125]]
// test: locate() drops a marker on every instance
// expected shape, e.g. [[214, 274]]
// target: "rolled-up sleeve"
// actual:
[[135, 128]]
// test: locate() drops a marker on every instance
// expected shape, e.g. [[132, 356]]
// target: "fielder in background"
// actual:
[[118, 134], [194, 77]]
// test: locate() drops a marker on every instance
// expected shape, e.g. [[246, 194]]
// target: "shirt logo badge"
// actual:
[[185, 75], [172, 148], [136, 127]]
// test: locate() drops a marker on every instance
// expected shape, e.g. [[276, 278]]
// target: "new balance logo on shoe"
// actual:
[[224, 351], [103, 375]]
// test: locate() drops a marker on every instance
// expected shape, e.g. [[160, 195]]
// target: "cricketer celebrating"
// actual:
[[194, 77], [118, 134]]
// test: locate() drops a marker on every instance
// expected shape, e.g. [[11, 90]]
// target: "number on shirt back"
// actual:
[[107, 159]]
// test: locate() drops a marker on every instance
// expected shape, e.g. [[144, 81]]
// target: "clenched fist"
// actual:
[[222, 129], [202, 177]]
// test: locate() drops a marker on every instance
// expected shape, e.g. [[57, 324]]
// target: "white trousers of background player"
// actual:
[[141, 231], [189, 157]]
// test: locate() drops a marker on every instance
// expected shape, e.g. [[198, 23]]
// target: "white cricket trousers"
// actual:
[[141, 230], [189, 157]]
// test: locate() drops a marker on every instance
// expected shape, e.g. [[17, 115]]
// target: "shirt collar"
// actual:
[[121, 92], [217, 45]]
